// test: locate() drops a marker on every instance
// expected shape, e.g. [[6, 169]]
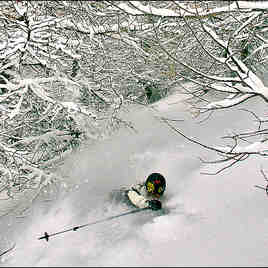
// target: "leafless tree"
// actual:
[[220, 47], [68, 67]]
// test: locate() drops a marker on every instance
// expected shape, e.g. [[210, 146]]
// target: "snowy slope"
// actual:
[[213, 220]]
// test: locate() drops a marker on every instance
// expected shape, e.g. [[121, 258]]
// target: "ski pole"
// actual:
[[46, 235], [6, 251]]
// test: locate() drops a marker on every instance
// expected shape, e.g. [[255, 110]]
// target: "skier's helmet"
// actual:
[[155, 184]]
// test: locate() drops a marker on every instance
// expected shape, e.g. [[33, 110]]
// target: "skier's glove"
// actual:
[[154, 204]]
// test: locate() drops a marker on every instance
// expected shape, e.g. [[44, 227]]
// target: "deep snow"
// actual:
[[209, 220]]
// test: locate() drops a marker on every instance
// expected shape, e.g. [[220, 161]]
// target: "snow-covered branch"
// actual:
[[67, 68], [224, 58], [191, 10]]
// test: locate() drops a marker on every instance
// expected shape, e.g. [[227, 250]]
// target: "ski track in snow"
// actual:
[[208, 221]]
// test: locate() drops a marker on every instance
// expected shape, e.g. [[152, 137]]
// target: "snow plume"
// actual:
[[199, 210]]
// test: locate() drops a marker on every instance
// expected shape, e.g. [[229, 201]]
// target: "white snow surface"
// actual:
[[209, 220]]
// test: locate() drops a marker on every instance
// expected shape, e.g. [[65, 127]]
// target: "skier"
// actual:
[[141, 195], [147, 194]]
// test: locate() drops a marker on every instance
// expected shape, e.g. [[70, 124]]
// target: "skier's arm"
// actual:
[[137, 199]]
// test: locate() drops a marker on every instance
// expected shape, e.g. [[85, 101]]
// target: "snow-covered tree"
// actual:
[[221, 47], [232, 59], [66, 69]]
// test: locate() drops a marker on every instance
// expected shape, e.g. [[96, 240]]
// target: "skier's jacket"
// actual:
[[139, 196]]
